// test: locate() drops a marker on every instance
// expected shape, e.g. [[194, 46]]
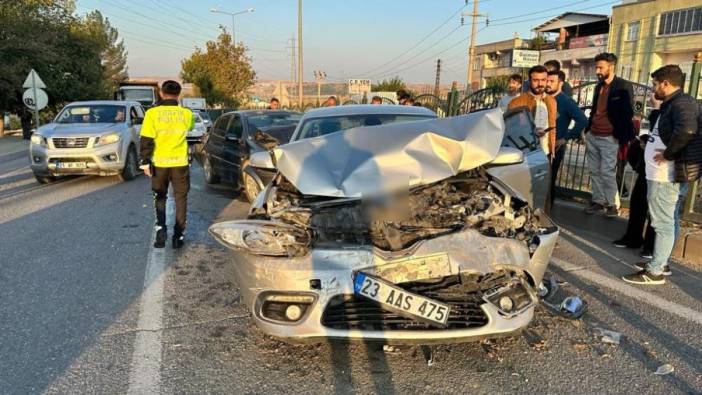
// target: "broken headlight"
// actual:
[[510, 299], [262, 237]]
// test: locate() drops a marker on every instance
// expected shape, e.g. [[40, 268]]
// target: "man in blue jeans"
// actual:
[[673, 158]]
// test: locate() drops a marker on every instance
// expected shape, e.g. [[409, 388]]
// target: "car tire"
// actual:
[[251, 188], [44, 179], [131, 168], [208, 171]]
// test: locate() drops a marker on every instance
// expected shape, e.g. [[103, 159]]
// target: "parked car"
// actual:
[[92, 137], [206, 120], [322, 121], [227, 148], [199, 130], [423, 232]]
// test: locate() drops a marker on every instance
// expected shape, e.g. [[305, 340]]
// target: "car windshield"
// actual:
[[198, 118], [92, 114], [138, 94], [320, 126], [204, 115], [273, 119]]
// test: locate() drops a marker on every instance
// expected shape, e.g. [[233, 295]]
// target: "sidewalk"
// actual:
[[571, 215], [12, 144]]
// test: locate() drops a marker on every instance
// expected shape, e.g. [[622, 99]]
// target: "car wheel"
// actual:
[[210, 176], [131, 170], [44, 179], [251, 188]]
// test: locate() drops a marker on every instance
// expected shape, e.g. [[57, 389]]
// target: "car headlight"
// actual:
[[262, 237], [38, 140], [107, 139]]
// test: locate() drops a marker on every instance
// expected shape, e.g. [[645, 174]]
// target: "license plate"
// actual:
[[400, 301], [71, 165]]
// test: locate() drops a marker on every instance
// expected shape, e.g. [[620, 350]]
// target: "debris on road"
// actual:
[[665, 369], [610, 337], [560, 301]]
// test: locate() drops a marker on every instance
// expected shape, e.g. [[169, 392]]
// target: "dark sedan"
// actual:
[[228, 146]]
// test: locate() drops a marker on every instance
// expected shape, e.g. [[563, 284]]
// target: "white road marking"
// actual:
[[145, 376], [620, 286], [15, 172]]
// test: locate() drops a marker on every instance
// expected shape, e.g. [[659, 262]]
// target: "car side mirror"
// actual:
[[508, 156], [265, 140]]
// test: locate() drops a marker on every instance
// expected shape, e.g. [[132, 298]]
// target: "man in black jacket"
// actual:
[[673, 158], [609, 127]]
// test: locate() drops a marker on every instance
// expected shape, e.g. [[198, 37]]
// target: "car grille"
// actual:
[[70, 142], [462, 293]]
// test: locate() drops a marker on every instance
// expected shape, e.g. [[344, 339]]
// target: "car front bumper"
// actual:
[[328, 273], [103, 160]]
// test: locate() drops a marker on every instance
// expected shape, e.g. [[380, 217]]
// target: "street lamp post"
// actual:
[[232, 14], [319, 76]]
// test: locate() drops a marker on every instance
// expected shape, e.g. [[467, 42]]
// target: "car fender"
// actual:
[[250, 171]]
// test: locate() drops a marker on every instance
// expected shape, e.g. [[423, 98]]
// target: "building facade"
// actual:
[[494, 60], [648, 34], [574, 39]]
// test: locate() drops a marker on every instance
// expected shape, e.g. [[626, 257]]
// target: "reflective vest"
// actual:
[[168, 125]]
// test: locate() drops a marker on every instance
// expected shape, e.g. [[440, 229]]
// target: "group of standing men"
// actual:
[[669, 157]]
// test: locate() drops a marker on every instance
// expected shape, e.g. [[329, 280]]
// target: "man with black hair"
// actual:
[[274, 104], [568, 111], [673, 157], [542, 107], [164, 158], [610, 126], [513, 84], [330, 102], [377, 100], [554, 65]]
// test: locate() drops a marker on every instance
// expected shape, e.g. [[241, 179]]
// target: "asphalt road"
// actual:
[[82, 296]]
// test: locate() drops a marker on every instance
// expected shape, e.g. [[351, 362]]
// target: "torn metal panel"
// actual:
[[373, 160]]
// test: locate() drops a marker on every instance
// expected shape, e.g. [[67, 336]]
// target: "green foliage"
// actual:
[[221, 72], [390, 85], [498, 82], [536, 42], [67, 51]]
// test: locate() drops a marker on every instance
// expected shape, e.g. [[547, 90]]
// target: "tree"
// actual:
[[499, 82], [74, 56], [221, 72], [390, 85]]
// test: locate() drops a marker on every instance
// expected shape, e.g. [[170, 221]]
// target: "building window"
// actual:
[[633, 32], [680, 21], [626, 71]]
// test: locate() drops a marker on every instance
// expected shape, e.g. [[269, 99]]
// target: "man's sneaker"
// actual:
[[643, 277], [621, 243], [644, 265], [161, 236], [177, 241], [611, 211], [647, 254], [594, 208]]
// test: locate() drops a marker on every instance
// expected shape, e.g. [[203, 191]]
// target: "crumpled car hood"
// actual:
[[374, 160]]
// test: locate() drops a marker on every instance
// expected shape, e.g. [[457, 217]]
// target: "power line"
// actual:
[[540, 12], [555, 15]]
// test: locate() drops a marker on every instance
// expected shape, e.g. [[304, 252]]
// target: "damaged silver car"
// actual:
[[422, 232]]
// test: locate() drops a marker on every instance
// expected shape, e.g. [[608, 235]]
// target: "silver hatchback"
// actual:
[[95, 137]]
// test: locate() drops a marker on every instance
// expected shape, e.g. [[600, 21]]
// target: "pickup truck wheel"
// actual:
[[44, 179], [131, 169], [210, 176]]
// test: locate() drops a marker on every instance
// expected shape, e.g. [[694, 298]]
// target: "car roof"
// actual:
[[367, 109], [248, 113], [103, 103]]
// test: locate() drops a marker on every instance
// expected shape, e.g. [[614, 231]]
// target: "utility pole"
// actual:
[[319, 76], [293, 65], [471, 49], [438, 77], [300, 75]]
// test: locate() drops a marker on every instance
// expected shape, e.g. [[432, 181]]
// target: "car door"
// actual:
[[135, 120], [233, 148], [531, 178], [214, 146]]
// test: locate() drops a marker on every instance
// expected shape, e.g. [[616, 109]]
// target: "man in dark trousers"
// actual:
[[673, 158], [164, 158], [610, 126]]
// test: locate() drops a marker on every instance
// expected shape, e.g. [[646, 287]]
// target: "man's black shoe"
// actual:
[[161, 236], [178, 242], [644, 265], [621, 243], [647, 254], [643, 277], [594, 208], [610, 211]]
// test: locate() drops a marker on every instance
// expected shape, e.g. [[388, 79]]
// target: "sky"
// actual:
[[373, 39]]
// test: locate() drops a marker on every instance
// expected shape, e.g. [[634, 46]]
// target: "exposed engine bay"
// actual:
[[467, 200]]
